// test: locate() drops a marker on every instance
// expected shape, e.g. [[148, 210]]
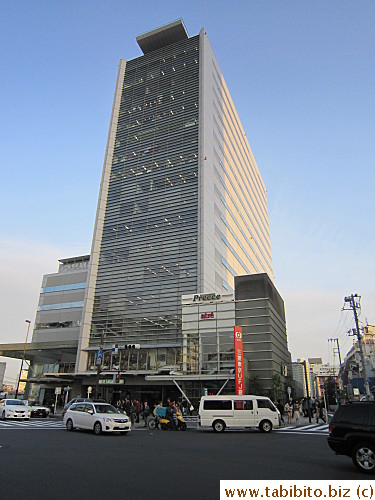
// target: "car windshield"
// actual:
[[15, 402], [105, 409]]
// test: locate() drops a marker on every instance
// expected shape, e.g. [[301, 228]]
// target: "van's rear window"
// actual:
[[217, 405]]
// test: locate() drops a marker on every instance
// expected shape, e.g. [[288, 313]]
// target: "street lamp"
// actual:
[[23, 357]]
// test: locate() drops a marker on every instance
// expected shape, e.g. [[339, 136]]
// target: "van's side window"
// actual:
[[217, 405], [243, 405], [265, 403]]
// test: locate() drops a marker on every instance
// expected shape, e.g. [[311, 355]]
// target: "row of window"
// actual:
[[244, 196], [63, 305], [63, 288], [57, 324], [242, 147]]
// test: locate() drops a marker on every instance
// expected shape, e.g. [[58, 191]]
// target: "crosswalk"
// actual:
[[304, 429], [32, 424], [312, 429]]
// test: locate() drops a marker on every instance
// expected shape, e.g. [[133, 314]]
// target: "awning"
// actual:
[[52, 350]]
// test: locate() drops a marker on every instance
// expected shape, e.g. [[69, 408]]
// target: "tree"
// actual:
[[276, 387], [255, 386]]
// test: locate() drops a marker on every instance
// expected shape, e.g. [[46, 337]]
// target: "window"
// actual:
[[243, 405], [217, 405], [77, 407], [265, 403], [352, 415]]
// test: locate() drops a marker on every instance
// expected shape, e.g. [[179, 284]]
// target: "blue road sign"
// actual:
[[99, 356]]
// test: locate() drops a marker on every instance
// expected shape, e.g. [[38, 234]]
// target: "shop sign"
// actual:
[[206, 296], [107, 381], [238, 359], [210, 315]]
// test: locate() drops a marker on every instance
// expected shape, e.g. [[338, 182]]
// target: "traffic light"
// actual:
[[132, 346], [117, 378]]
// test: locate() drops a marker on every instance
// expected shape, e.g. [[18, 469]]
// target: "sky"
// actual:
[[302, 77]]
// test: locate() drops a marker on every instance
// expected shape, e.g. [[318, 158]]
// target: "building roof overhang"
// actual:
[[49, 350], [163, 36]]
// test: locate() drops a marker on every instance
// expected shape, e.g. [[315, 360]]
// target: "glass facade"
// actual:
[[148, 255]]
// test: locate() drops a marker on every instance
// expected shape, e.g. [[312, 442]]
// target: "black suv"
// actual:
[[352, 433]]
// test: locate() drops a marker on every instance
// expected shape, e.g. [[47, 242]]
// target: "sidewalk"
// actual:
[[305, 421]]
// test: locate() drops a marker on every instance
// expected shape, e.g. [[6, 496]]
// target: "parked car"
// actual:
[[14, 408], [38, 410], [99, 417], [352, 433]]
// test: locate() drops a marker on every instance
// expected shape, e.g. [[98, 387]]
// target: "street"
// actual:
[[158, 465]]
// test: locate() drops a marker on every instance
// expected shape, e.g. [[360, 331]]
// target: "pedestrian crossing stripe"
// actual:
[[305, 429], [38, 424]]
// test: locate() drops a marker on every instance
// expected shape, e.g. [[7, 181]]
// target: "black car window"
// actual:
[[265, 403], [77, 407], [243, 404], [352, 415], [218, 405], [371, 415], [87, 408]]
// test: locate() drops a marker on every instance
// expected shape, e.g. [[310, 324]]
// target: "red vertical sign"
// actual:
[[238, 359]]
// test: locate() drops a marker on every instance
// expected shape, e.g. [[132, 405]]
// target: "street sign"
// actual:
[[57, 390], [115, 349], [89, 389], [99, 356]]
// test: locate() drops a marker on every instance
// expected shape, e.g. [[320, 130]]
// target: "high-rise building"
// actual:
[[182, 207]]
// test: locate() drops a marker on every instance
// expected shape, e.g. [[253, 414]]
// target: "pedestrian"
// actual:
[[146, 412], [280, 407], [288, 408], [137, 406], [297, 407]]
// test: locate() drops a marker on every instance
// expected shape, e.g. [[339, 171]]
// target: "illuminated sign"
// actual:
[[208, 315], [238, 359], [206, 296]]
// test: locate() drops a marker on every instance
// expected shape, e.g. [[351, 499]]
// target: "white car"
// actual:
[[98, 417], [14, 408], [37, 410]]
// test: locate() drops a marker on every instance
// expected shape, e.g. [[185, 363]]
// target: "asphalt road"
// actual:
[[56, 464]]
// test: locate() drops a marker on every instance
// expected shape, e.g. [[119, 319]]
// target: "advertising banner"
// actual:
[[238, 359]]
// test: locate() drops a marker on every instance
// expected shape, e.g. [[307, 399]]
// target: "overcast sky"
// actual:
[[302, 77]]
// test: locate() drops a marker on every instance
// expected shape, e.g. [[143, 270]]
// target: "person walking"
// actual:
[[280, 407], [288, 408], [146, 412], [297, 407]]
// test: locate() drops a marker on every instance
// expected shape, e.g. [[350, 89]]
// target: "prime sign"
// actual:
[[206, 296]]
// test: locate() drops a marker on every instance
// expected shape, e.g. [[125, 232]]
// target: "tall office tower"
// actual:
[[182, 206]]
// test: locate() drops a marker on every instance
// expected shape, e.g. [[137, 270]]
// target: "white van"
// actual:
[[220, 412]]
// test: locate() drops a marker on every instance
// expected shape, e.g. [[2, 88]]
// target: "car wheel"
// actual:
[[97, 428], [218, 426], [265, 426], [69, 425], [363, 457], [151, 424]]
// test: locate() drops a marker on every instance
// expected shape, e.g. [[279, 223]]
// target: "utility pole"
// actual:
[[307, 390], [354, 305], [99, 361], [333, 369], [23, 356]]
